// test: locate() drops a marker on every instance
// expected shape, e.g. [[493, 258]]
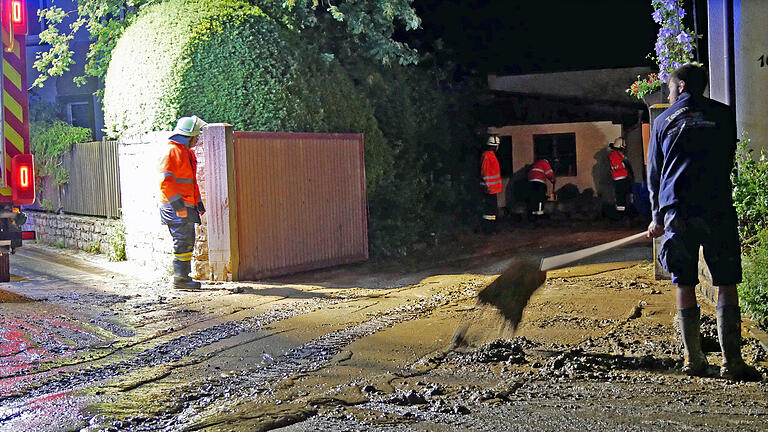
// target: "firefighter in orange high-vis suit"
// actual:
[[181, 204], [621, 172], [538, 176], [490, 184]]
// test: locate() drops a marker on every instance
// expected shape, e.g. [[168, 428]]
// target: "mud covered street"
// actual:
[[86, 347]]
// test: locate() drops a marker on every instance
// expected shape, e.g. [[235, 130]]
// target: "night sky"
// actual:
[[515, 36]]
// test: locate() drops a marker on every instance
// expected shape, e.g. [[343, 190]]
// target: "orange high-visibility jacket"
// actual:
[[618, 168], [489, 170], [179, 184], [541, 171]]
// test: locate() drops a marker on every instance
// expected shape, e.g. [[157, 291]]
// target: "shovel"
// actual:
[[510, 292]]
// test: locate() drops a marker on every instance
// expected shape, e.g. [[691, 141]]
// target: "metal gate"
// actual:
[[296, 202]]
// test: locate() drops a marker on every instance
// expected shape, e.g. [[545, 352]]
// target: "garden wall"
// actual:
[[147, 240], [74, 232]]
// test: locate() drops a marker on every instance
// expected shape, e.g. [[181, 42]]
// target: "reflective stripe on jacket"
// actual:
[[179, 184], [618, 168], [541, 171], [491, 173]]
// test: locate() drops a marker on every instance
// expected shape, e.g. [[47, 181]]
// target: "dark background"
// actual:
[[515, 37]]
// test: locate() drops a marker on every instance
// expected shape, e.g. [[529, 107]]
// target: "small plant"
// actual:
[[93, 247], [645, 86], [753, 292], [116, 250], [750, 190], [46, 204]]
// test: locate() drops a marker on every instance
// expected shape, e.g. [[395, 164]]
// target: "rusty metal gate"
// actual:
[[299, 202]]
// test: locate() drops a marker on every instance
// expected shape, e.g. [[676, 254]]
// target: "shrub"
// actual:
[[227, 61], [754, 290], [116, 250], [750, 190], [49, 142]]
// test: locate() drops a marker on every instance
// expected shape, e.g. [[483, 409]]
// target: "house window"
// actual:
[[559, 150], [79, 114]]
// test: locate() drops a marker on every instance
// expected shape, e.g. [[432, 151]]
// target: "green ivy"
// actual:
[[49, 142], [750, 190], [753, 292]]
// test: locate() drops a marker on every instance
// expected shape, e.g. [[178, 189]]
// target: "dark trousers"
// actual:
[[183, 235], [490, 213], [622, 188], [537, 193]]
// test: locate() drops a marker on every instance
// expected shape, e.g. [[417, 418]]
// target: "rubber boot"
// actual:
[[695, 363], [729, 334], [181, 279]]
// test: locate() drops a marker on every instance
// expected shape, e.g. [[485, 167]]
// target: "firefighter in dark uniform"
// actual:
[[490, 184], [690, 159], [181, 204]]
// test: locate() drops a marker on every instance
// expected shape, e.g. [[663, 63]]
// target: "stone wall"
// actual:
[[147, 239], [73, 232]]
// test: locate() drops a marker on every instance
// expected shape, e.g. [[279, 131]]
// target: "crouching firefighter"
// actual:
[[181, 204]]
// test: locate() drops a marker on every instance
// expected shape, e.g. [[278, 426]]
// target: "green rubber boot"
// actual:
[[729, 334], [695, 363]]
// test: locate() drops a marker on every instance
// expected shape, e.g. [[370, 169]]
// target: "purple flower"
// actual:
[[669, 4], [684, 38], [657, 16]]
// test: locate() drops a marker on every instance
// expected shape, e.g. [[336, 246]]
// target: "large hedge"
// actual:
[[227, 61]]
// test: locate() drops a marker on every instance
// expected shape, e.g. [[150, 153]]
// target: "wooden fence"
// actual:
[[93, 188]]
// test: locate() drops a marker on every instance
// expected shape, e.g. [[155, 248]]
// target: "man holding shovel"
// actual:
[[690, 159]]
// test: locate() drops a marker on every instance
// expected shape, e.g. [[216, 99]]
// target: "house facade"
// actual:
[[569, 118]]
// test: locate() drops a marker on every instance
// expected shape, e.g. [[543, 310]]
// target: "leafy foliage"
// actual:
[[750, 196], [754, 290], [116, 251], [750, 190], [235, 64], [50, 141], [371, 23]]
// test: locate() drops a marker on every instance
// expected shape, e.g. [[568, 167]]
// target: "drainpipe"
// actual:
[[730, 61]]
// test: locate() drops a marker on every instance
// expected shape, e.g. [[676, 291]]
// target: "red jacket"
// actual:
[[489, 170], [618, 168], [179, 184], [541, 171]]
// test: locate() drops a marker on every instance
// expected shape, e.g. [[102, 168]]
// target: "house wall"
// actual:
[[592, 140]]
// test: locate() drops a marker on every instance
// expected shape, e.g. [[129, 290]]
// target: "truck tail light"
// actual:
[[15, 16], [23, 179]]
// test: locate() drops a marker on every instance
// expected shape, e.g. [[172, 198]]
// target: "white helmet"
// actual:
[[189, 126], [619, 144], [493, 140]]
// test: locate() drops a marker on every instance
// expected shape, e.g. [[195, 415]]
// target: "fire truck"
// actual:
[[17, 171]]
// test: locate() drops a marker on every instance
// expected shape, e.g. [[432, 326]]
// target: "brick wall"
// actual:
[[147, 240], [73, 232]]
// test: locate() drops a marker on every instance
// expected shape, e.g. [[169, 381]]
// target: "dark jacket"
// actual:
[[691, 156]]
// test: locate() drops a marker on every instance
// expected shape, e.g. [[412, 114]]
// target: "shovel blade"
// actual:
[[511, 291]]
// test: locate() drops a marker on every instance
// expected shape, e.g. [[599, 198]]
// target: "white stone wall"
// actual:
[[73, 232], [147, 240]]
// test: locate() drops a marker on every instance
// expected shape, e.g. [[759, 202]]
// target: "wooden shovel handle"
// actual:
[[557, 261]]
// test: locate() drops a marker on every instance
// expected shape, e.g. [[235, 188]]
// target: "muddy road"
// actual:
[[89, 348]]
